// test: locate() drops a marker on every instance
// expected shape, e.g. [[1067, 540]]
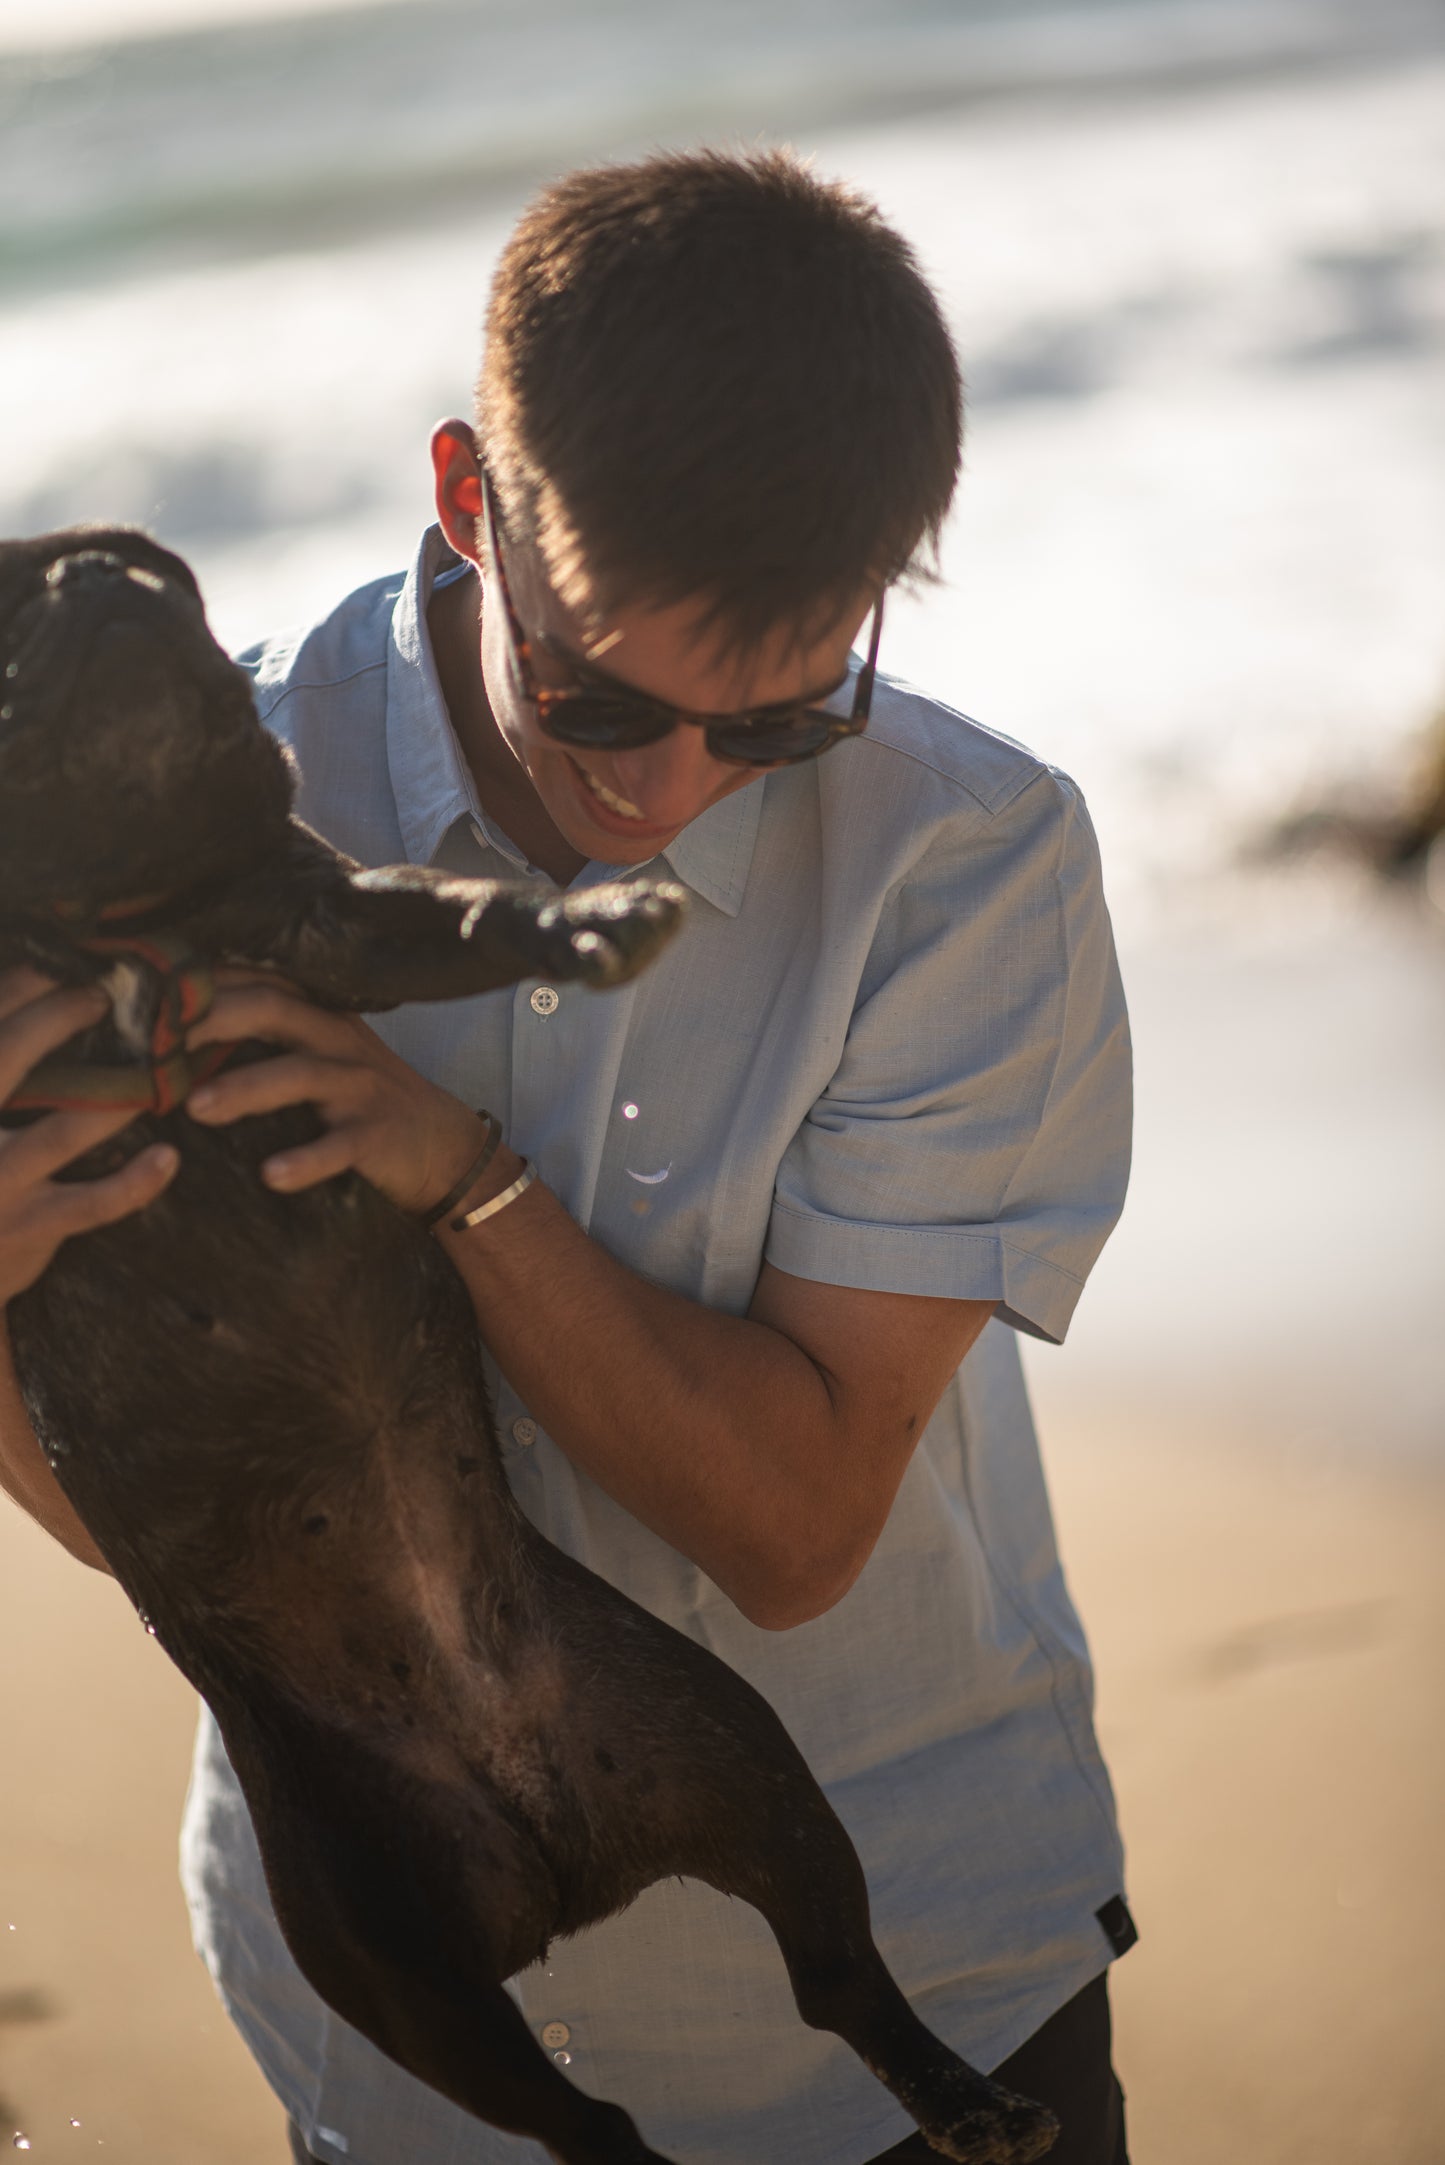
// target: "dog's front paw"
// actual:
[[604, 935]]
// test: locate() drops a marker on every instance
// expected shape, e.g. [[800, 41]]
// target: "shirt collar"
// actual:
[[430, 779], [714, 854], [433, 784]]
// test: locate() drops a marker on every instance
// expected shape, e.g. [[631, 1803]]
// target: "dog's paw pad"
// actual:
[[613, 932], [1012, 2133]]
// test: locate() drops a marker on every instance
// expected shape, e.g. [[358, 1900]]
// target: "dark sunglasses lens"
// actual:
[[774, 743], [594, 721]]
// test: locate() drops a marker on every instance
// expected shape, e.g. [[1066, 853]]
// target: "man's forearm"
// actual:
[[25, 1476], [718, 1432], [710, 1429]]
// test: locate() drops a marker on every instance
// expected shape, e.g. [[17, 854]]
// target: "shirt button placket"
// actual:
[[567, 1047], [556, 2036]]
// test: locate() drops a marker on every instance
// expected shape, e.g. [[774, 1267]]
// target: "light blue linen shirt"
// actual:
[[889, 1051]]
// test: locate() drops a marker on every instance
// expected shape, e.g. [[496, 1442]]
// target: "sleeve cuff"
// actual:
[[964, 1262]]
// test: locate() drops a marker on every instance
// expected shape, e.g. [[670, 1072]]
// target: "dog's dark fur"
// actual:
[[270, 1413]]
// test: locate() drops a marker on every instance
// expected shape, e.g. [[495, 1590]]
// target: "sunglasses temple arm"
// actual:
[[863, 689]]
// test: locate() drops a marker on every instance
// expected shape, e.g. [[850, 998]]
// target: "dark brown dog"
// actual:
[[270, 1413]]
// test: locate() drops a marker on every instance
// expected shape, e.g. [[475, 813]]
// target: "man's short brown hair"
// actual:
[[717, 378]]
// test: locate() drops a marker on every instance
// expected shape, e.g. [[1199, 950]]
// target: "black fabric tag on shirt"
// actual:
[[1118, 1926]]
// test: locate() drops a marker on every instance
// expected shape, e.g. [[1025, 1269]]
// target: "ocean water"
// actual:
[[1194, 252], [321, 123]]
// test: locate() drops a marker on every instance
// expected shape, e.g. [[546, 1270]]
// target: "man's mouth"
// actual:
[[620, 805]]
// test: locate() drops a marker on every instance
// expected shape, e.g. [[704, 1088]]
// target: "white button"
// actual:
[[525, 1432], [555, 2034], [545, 1001]]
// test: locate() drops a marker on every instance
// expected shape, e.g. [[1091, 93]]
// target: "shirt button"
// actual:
[[525, 1433], [555, 2035], [545, 1001]]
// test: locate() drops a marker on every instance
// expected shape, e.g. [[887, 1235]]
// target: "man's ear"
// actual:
[[458, 486]]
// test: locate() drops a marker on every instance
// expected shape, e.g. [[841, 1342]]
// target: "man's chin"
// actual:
[[609, 843], [617, 849]]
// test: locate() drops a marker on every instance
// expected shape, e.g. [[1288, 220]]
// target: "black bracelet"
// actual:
[[472, 1174]]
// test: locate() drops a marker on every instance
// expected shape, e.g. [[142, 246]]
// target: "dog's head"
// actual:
[[132, 763]]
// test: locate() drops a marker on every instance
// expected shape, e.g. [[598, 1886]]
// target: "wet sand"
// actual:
[[1243, 1437]]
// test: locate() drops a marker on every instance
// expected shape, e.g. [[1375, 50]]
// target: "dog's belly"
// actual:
[[271, 1414], [383, 1858], [209, 1375]]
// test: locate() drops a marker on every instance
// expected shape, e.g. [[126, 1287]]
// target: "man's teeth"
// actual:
[[610, 798]]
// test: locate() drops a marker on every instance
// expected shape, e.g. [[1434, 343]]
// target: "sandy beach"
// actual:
[[1252, 1514], [1271, 1641], [1244, 1444]]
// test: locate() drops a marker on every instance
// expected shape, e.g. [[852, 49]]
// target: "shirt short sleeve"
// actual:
[[974, 1139]]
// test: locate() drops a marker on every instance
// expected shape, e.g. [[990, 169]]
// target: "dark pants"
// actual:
[[1065, 2064]]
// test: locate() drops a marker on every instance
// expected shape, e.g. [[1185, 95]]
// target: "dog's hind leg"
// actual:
[[508, 2079], [712, 1787], [819, 1917], [812, 1892], [785, 1852]]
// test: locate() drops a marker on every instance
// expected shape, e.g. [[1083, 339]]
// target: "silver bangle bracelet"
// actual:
[[523, 1181]]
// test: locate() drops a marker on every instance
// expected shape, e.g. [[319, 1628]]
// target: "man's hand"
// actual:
[[37, 1212], [406, 1136]]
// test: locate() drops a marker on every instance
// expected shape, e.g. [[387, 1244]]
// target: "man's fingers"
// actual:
[[34, 1152], [332, 1153], [79, 1206], [250, 973], [266, 1085], [42, 1024], [18, 987], [226, 975], [275, 1012]]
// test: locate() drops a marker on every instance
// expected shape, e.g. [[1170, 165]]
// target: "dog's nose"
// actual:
[[93, 572], [86, 568], [89, 568]]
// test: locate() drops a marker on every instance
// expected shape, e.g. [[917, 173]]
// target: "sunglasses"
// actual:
[[596, 713]]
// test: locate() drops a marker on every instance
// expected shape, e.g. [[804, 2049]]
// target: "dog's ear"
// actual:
[[21, 565]]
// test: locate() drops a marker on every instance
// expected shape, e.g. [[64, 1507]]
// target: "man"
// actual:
[[800, 1184]]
